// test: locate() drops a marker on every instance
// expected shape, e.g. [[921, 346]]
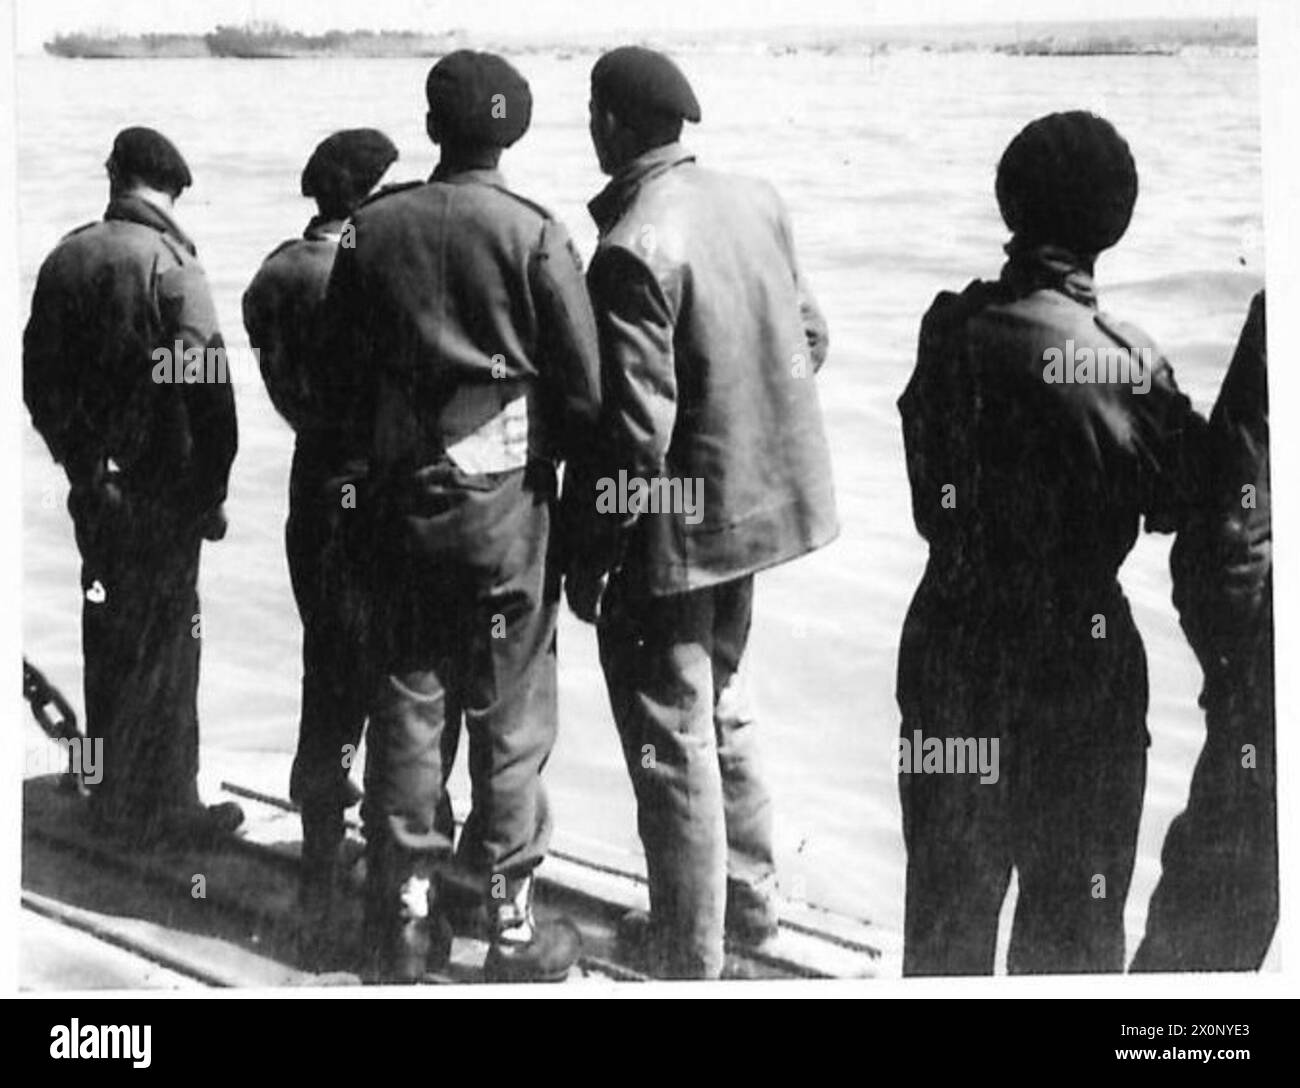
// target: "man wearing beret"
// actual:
[[463, 362], [283, 316], [121, 307], [1041, 435], [709, 344]]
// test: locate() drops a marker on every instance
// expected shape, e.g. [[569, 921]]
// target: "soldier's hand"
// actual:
[[586, 593]]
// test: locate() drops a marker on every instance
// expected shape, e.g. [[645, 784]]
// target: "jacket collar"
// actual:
[[476, 175], [1033, 267], [323, 228], [612, 201], [134, 209]]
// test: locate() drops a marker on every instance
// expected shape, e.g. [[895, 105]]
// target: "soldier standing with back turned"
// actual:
[[709, 341], [1030, 491], [283, 316], [125, 377], [463, 356]]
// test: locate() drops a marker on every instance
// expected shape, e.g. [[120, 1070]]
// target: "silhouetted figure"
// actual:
[[125, 377], [284, 318], [1215, 908], [1034, 456]]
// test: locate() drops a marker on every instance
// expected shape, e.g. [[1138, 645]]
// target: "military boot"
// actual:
[[406, 934], [524, 949], [462, 904], [322, 835], [751, 913]]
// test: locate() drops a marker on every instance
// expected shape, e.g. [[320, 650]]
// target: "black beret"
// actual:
[[345, 166], [1069, 179], [148, 156], [635, 82], [479, 98]]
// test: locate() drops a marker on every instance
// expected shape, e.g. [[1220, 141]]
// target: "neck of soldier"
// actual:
[[623, 146], [164, 202], [456, 159]]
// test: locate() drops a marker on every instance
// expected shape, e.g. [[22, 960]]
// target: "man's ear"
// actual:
[[608, 123], [432, 127]]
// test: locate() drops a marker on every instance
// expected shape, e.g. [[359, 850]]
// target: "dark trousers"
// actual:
[[1063, 813], [469, 627], [1216, 906], [140, 633], [337, 668], [331, 585], [673, 666]]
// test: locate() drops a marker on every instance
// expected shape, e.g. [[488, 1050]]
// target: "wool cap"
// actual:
[[479, 98], [148, 156], [635, 83], [345, 166], [1068, 179]]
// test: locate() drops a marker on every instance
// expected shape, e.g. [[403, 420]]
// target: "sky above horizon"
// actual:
[[39, 20]]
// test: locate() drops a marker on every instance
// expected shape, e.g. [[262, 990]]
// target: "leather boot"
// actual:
[[524, 949], [406, 934], [751, 913], [462, 905], [322, 835], [638, 943]]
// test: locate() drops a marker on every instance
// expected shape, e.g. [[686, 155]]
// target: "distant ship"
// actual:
[[121, 47], [274, 42], [1089, 47], [256, 42]]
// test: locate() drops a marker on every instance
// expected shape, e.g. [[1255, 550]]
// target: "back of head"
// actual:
[[345, 166], [477, 101], [646, 92], [144, 156], [1068, 179]]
